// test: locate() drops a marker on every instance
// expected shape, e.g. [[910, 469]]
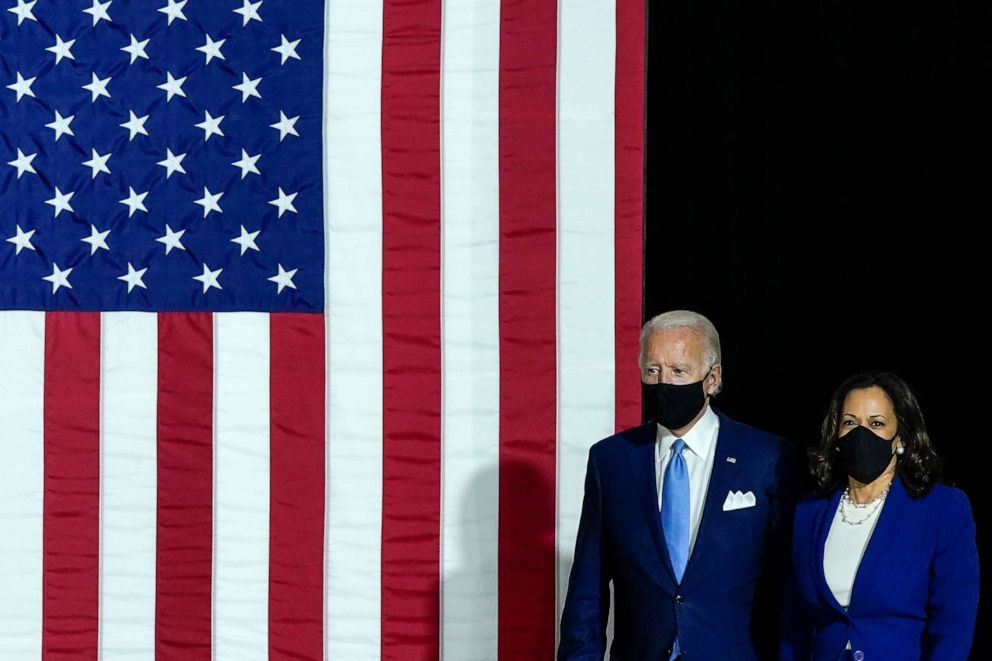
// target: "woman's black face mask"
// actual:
[[864, 454]]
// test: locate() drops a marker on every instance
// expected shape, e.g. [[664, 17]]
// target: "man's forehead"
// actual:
[[676, 342], [683, 336]]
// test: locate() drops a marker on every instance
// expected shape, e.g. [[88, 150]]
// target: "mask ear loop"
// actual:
[[706, 376]]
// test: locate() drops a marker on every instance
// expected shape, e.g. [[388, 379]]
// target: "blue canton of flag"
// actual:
[[161, 156]]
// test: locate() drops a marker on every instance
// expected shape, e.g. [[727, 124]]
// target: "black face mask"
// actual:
[[864, 454], [674, 406]]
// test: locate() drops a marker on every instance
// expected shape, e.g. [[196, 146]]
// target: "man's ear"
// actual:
[[713, 379]]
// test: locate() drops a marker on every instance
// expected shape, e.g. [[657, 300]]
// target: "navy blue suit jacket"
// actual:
[[620, 540], [915, 595]]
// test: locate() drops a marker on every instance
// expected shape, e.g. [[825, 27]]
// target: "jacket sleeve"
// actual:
[[587, 602], [766, 621], [795, 643], [952, 606]]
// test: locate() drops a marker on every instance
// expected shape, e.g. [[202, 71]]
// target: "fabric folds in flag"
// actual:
[[309, 313]]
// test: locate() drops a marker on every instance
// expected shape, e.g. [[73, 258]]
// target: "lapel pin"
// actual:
[[731, 460]]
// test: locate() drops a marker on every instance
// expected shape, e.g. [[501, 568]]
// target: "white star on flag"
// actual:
[[22, 240], [286, 125], [23, 11], [247, 240], [99, 11], [133, 278], [97, 240], [134, 201], [210, 125], [61, 49], [23, 163], [61, 125], [172, 86], [136, 49], [59, 278], [174, 10], [284, 202], [98, 163], [287, 49], [172, 163], [22, 86], [212, 49], [247, 164], [98, 87], [249, 12], [61, 202], [172, 239], [248, 88], [283, 279], [135, 125], [209, 202], [209, 278]]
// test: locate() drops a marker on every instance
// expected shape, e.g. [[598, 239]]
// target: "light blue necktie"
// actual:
[[675, 515]]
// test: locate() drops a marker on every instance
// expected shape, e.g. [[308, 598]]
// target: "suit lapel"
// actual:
[[721, 480], [877, 550], [642, 459], [823, 522]]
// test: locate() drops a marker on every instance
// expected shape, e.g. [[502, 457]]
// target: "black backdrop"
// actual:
[[819, 185]]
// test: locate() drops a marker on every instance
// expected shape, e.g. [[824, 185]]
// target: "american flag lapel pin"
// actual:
[[731, 460]]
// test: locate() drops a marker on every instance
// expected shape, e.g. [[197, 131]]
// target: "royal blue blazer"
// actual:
[[915, 596], [620, 540]]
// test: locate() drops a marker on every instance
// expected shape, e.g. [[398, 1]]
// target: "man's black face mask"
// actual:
[[674, 406]]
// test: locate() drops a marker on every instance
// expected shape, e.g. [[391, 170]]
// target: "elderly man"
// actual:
[[687, 515]]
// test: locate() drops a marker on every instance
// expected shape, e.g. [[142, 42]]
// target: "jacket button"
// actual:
[[859, 656], [679, 599]]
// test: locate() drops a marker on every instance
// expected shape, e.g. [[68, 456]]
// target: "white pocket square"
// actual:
[[737, 501]]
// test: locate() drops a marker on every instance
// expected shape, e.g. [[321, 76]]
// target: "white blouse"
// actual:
[[845, 547]]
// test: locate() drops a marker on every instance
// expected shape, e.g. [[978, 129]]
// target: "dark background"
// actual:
[[818, 184]]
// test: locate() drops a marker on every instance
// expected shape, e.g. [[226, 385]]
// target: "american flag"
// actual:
[[309, 312]]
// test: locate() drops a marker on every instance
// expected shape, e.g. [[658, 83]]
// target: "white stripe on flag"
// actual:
[[128, 479], [353, 254], [470, 333], [22, 480], [585, 253], [241, 487]]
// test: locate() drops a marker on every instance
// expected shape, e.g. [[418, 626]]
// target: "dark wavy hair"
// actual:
[[919, 466]]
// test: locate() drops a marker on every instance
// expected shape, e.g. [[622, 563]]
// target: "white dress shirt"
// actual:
[[699, 453]]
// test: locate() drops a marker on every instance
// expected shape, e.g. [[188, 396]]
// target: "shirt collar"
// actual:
[[699, 440]]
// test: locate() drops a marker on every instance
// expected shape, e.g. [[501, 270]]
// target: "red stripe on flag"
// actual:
[[411, 310], [527, 77], [629, 222], [184, 540], [71, 556], [296, 489]]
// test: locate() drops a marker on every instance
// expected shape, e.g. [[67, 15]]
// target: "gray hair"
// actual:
[[686, 319]]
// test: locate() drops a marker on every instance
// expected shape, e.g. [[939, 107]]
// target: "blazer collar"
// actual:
[[724, 477], [641, 453], [878, 544]]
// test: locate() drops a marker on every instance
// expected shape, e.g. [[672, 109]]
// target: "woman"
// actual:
[[884, 561]]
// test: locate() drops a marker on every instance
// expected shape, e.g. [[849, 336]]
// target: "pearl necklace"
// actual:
[[871, 507]]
